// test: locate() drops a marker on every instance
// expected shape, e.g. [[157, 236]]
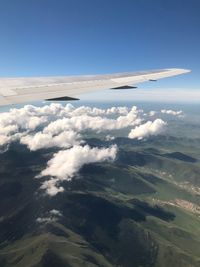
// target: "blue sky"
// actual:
[[65, 37]]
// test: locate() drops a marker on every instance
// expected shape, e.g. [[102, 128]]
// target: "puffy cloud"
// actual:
[[8, 129], [4, 139], [109, 137], [43, 127], [45, 140], [53, 109], [66, 163], [34, 122], [85, 122], [52, 187], [55, 212], [172, 112], [117, 110], [152, 113], [64, 126], [51, 216], [21, 119], [87, 110], [149, 128], [97, 111], [45, 220], [95, 123]]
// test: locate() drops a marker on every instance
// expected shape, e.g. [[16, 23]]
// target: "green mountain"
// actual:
[[141, 210]]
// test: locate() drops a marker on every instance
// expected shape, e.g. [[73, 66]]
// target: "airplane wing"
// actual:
[[27, 89]]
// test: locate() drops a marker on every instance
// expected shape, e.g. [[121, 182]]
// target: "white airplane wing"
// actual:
[[27, 89]]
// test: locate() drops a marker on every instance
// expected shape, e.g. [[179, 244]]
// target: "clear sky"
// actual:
[[65, 37]]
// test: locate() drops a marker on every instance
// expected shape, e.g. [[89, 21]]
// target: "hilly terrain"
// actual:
[[141, 210]]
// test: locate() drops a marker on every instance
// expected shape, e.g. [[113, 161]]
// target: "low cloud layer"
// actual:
[[66, 163], [172, 112], [57, 125], [45, 140], [50, 217], [64, 127], [152, 113], [147, 129]]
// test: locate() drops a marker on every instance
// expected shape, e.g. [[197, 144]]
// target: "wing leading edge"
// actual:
[[27, 89]]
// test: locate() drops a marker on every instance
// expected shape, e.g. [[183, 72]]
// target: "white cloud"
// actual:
[[57, 125], [45, 220], [34, 122], [109, 137], [61, 126], [55, 212], [117, 110], [66, 163], [4, 139], [95, 123], [8, 129], [87, 110], [152, 113], [51, 216], [172, 112], [95, 111], [149, 128], [45, 140], [52, 187]]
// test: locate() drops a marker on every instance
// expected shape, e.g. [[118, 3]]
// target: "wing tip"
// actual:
[[179, 71]]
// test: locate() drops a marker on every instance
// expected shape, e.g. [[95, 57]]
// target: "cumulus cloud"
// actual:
[[149, 128], [109, 137], [45, 140], [118, 110], [51, 216], [152, 113], [52, 186], [55, 212], [64, 127], [97, 111], [85, 122], [96, 123], [7, 139], [66, 163], [4, 139], [57, 125], [45, 220], [171, 112]]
